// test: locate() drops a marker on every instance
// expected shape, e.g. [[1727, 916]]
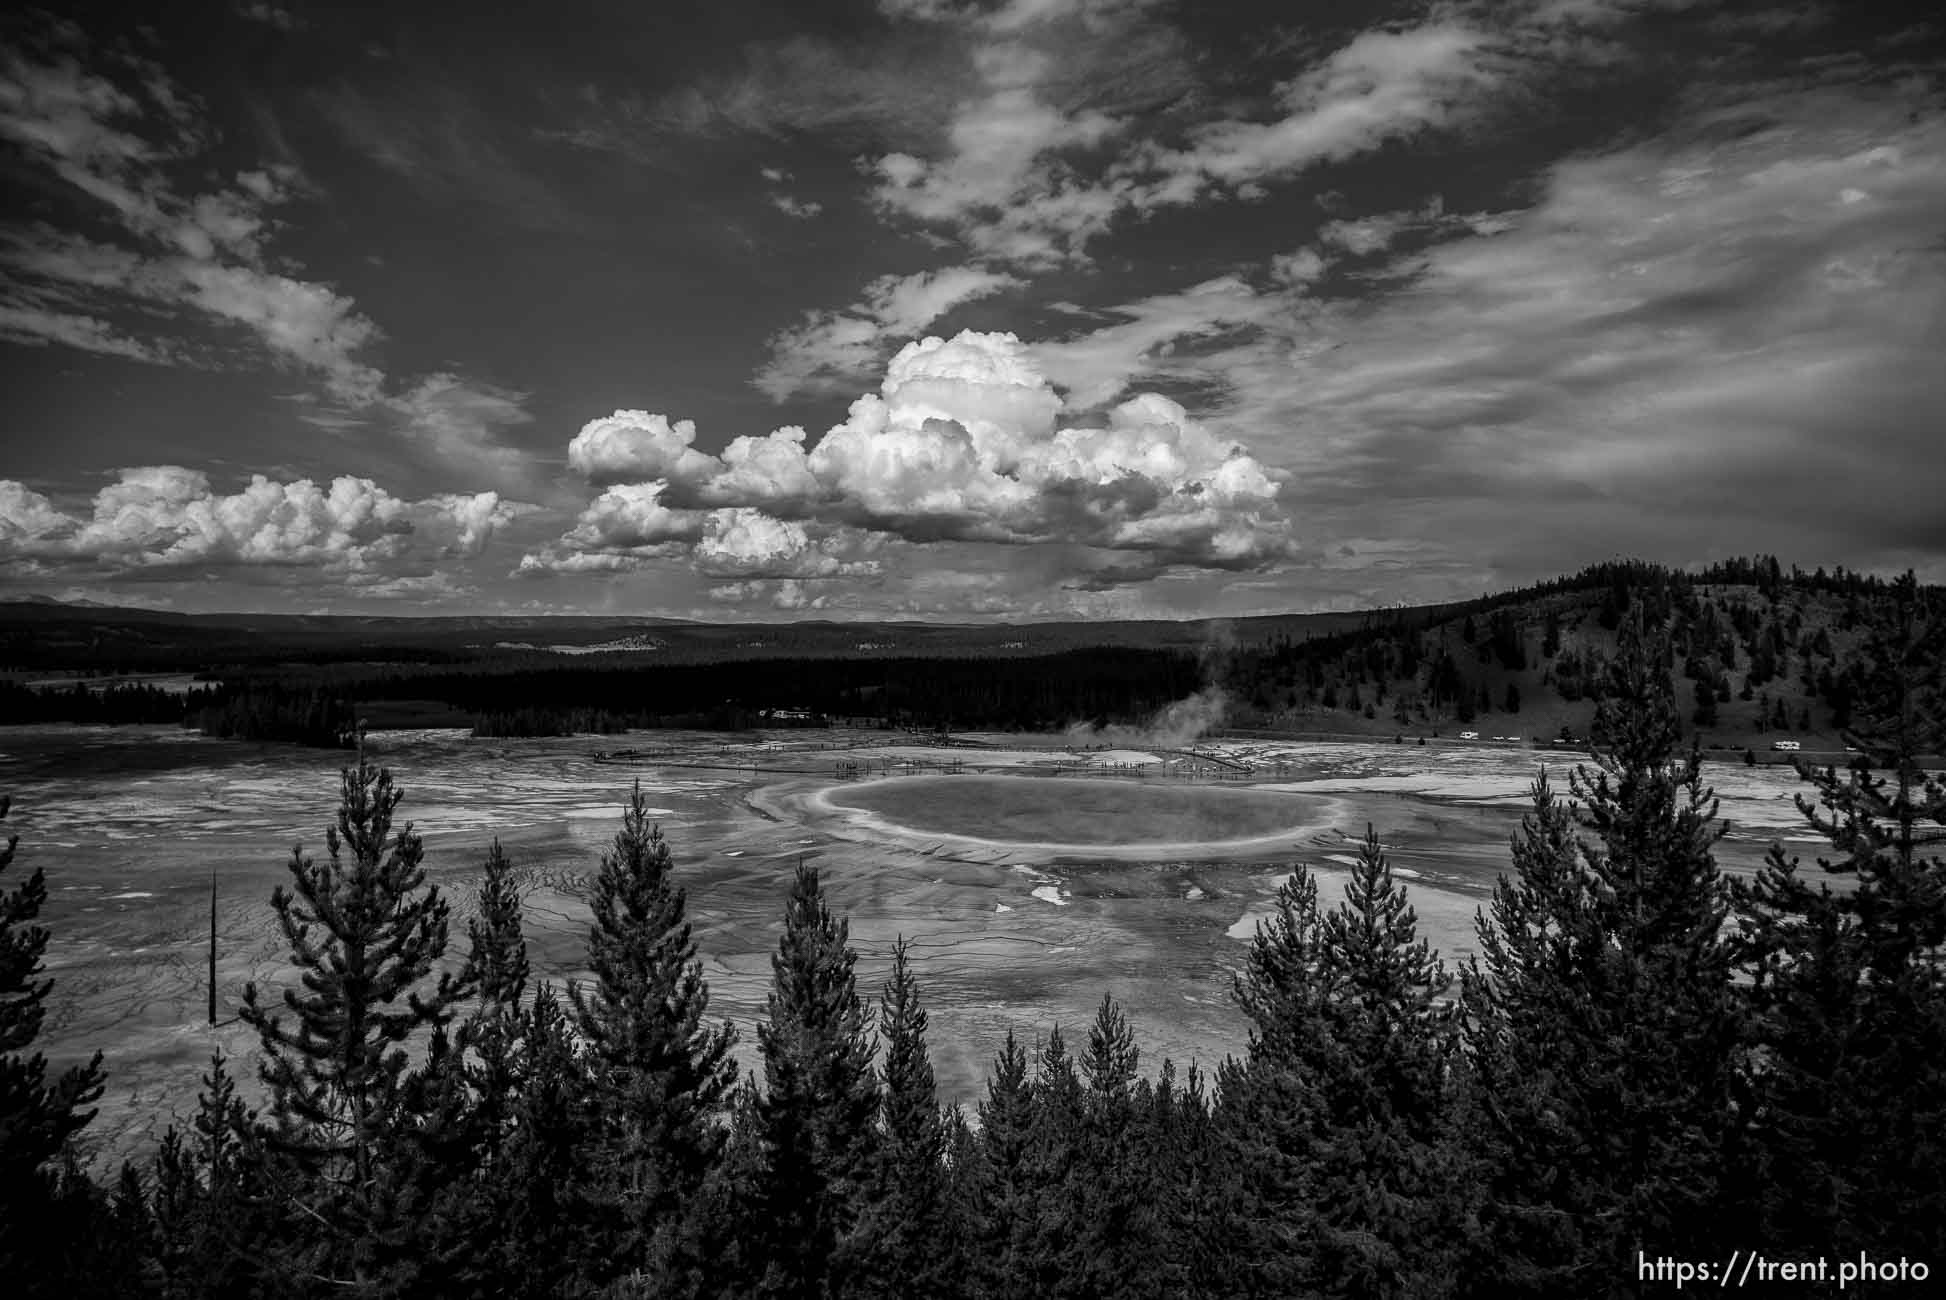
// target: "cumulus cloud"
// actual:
[[630, 527], [962, 443], [27, 515], [739, 541], [166, 517], [630, 518], [632, 446], [771, 471]]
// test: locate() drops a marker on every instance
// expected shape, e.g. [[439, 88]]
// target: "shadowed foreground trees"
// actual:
[[1623, 1068]]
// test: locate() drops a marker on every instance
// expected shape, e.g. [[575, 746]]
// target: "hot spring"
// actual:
[[1078, 815]]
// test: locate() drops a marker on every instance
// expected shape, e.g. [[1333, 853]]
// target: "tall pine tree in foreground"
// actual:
[[1119, 1237], [1053, 1258], [38, 1116], [997, 1184], [1603, 1026], [912, 1240], [1846, 970], [1266, 1110], [661, 1073], [1354, 1181], [821, 1098], [367, 932], [1532, 1033]]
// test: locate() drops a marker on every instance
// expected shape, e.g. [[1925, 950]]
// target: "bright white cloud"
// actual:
[[631, 446], [961, 443], [166, 516], [741, 542], [767, 471], [26, 515], [631, 517]]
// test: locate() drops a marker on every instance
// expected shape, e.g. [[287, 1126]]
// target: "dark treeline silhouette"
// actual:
[[115, 703], [1025, 693], [532, 721], [1644, 1062], [303, 715]]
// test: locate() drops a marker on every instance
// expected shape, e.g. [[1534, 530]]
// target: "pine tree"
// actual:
[[1705, 712], [37, 1117], [661, 1072], [1118, 1229], [1394, 1217], [1054, 1265], [732, 1208], [1602, 1024], [911, 1242], [820, 1100], [367, 934], [537, 1191], [458, 1102], [497, 962], [1186, 1185], [1266, 1112], [214, 1203], [1001, 1180], [1846, 983]]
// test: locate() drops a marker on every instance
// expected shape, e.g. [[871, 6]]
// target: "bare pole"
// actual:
[[212, 943]]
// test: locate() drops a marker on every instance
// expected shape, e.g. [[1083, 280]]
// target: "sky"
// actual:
[[960, 310]]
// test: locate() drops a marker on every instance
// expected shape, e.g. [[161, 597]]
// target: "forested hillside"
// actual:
[[1646, 1061], [1760, 652]]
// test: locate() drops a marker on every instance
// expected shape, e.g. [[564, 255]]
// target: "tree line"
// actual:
[[1765, 649], [1645, 1059]]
